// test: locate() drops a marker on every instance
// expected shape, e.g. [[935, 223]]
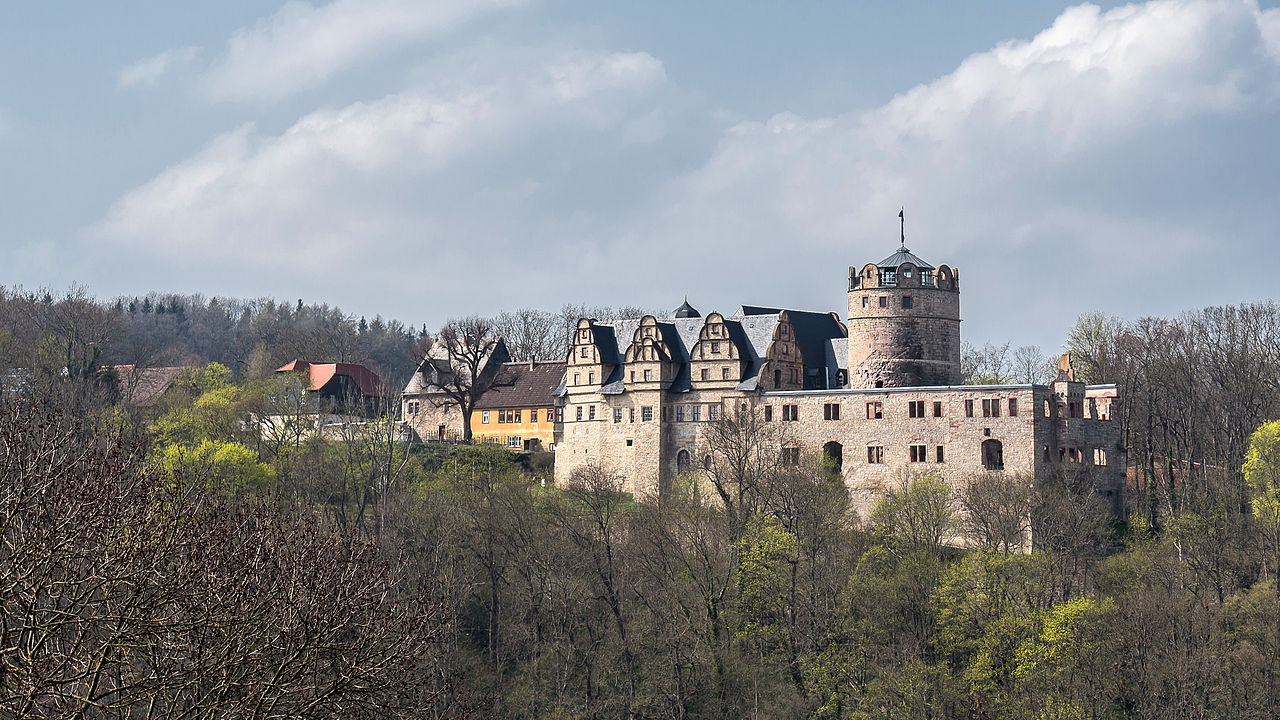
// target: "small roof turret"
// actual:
[[686, 310]]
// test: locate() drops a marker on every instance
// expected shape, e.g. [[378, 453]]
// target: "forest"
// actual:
[[182, 561]]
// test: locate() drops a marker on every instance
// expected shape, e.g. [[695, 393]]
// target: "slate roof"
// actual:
[[820, 336], [903, 255], [521, 386]]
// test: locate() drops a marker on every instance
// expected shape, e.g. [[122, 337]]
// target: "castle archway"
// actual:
[[834, 452]]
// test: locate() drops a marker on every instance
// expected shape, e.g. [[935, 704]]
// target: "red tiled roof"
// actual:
[[521, 386], [319, 375]]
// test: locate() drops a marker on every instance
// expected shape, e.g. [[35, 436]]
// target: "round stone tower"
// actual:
[[904, 323]]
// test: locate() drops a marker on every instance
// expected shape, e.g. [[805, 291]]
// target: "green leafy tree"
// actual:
[[1262, 472]]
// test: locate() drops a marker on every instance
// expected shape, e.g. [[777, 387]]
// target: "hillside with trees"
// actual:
[[192, 561]]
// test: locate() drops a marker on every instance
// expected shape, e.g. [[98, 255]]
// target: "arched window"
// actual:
[[992, 455], [834, 452], [683, 460]]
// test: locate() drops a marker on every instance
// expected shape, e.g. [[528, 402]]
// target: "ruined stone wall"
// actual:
[[895, 432]]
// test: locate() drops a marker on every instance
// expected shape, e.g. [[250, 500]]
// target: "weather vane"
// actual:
[[902, 221]]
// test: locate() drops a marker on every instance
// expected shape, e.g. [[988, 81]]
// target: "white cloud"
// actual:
[[1073, 154], [302, 45], [366, 177], [1093, 166], [148, 72]]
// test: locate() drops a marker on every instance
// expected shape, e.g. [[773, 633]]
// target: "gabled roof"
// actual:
[[141, 387], [751, 329], [519, 385], [321, 374]]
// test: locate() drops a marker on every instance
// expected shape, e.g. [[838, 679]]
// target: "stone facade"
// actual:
[[880, 395]]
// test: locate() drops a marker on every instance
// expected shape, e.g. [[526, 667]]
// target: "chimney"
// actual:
[[531, 363]]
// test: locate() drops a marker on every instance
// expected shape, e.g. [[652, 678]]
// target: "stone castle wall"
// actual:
[[903, 347]]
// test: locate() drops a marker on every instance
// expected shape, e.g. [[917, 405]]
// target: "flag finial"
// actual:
[[902, 222]]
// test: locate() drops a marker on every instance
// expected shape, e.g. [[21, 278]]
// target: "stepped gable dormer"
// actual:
[[593, 355], [715, 351], [649, 358], [783, 367]]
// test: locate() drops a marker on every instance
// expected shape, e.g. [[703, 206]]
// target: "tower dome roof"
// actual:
[[903, 255], [686, 310]]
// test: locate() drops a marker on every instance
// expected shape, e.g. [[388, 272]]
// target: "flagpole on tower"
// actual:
[[902, 221]]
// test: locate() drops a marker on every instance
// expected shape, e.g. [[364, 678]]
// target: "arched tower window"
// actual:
[[683, 460]]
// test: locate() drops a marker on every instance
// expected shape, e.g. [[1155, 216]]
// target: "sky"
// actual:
[[430, 160]]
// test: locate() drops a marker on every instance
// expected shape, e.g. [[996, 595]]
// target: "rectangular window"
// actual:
[[941, 457], [696, 413], [875, 410], [577, 379], [679, 413], [968, 408], [583, 352], [617, 415], [866, 301], [513, 441], [577, 413], [633, 376], [915, 409], [648, 375], [646, 413], [1013, 407], [715, 347], [591, 378], [591, 412], [502, 417], [884, 302], [790, 456], [1099, 456], [875, 455], [768, 413], [937, 408], [713, 412], [633, 415], [484, 417], [790, 413], [724, 373], [919, 453], [560, 414], [906, 302], [706, 374], [831, 411], [986, 408]]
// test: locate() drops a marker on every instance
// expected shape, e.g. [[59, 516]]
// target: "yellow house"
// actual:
[[519, 412]]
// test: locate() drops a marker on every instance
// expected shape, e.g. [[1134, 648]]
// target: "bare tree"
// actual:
[[465, 363], [745, 454], [996, 510], [531, 334]]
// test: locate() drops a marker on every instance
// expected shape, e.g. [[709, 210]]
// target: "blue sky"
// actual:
[[429, 160]]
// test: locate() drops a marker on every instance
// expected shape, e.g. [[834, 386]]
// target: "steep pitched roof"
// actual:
[[321, 374], [141, 387], [518, 385]]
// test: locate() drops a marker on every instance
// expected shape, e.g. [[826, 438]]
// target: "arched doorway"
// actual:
[[834, 453]]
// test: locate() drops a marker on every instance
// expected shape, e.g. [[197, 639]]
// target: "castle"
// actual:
[[878, 392]]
